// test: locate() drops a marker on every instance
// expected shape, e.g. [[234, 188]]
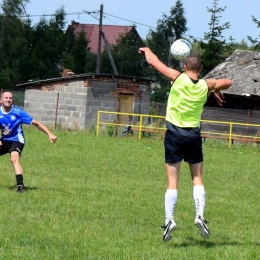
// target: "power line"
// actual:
[[79, 13], [130, 21], [142, 24], [38, 15], [89, 13], [138, 23]]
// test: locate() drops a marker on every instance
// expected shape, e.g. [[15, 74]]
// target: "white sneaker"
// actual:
[[200, 223], [168, 228]]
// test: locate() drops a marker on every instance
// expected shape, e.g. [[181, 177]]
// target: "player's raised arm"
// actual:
[[153, 60]]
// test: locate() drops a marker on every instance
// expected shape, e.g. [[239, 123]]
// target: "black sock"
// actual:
[[19, 179]]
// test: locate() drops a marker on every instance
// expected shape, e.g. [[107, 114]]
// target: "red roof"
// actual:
[[112, 33]]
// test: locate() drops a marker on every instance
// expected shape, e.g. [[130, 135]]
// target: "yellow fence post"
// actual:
[[230, 135], [140, 128], [98, 119]]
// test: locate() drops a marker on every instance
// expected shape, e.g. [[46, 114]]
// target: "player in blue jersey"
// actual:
[[12, 141]]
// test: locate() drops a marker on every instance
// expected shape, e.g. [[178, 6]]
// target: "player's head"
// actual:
[[193, 62], [7, 99]]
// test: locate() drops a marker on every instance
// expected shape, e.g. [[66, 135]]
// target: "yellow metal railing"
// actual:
[[231, 135], [141, 127]]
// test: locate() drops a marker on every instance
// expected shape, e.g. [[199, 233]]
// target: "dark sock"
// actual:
[[19, 179]]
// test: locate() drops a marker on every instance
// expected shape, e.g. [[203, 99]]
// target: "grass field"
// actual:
[[103, 198]]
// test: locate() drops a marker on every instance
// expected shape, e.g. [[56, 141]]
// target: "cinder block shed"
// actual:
[[73, 101]]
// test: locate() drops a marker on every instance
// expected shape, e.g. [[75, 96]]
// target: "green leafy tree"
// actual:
[[91, 59], [57, 41], [214, 46], [125, 55], [232, 46], [78, 57], [168, 29], [46, 46], [159, 94], [75, 59], [12, 41], [40, 50], [27, 67], [254, 41]]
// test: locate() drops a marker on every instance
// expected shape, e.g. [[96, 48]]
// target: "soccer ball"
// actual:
[[180, 49]]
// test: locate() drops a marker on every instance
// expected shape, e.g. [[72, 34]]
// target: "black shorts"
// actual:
[[179, 147], [8, 147]]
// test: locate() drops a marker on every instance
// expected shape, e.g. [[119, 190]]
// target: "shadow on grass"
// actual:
[[207, 243], [27, 188]]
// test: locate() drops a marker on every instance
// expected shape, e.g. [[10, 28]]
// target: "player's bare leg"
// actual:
[[15, 157]]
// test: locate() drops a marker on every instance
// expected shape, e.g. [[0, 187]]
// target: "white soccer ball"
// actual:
[[180, 49]]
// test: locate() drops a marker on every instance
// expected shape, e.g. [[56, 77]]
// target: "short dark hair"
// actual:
[[193, 62]]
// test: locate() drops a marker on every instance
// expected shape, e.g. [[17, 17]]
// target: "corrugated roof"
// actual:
[[112, 33]]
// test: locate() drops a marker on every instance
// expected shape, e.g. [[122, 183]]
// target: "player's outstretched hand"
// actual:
[[141, 51], [144, 50], [219, 97], [53, 138]]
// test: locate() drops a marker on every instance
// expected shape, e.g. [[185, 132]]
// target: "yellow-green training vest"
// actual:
[[186, 101]]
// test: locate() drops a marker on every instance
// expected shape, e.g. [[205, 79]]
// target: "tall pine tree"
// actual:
[[213, 45], [168, 29], [254, 41]]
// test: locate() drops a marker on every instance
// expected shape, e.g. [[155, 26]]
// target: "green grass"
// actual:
[[103, 198]]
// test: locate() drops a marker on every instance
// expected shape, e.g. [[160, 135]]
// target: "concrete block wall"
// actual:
[[68, 102], [99, 98], [102, 103], [75, 105], [41, 105]]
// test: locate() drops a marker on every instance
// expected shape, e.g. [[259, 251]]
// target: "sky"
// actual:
[[145, 14]]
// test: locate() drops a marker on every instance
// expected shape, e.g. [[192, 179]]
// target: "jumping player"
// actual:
[[187, 97]]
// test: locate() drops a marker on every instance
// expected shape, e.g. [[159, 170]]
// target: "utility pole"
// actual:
[[100, 36], [99, 40], [109, 54]]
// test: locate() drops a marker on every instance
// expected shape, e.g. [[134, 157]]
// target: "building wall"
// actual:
[[74, 104], [64, 105]]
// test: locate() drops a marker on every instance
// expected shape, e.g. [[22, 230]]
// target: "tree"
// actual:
[[77, 56], [12, 41], [79, 53], [27, 65], [214, 45], [57, 41], [255, 42], [79, 59], [125, 55], [168, 29], [46, 46]]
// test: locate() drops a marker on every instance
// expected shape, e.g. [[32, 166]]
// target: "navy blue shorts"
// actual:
[[179, 147], [8, 147]]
